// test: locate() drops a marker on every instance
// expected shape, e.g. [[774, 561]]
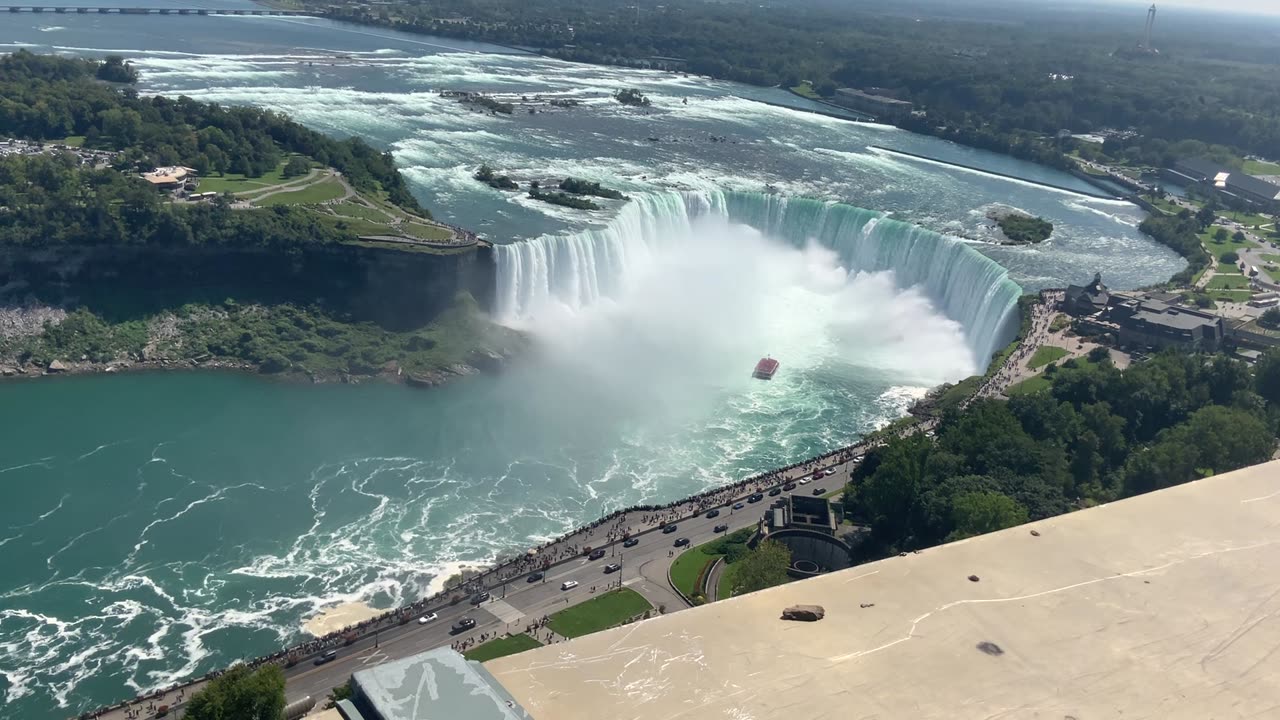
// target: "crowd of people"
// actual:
[[1037, 330]]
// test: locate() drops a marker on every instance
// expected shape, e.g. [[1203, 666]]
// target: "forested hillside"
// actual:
[[43, 97], [1097, 435], [982, 73]]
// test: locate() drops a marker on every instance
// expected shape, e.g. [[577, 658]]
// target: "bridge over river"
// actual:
[[111, 10]]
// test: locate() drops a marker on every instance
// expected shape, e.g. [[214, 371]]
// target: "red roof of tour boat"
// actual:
[[766, 368]]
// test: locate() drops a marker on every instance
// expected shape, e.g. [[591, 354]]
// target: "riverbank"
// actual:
[[280, 341]]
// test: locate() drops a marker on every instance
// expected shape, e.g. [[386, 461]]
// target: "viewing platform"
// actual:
[[64, 9]]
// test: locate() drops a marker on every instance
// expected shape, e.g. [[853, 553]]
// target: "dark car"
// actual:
[[596, 554], [738, 506], [326, 656], [681, 542], [479, 597], [789, 486], [775, 492], [669, 529], [755, 498], [713, 513], [462, 626], [534, 577], [818, 491], [631, 542], [612, 568], [721, 528]]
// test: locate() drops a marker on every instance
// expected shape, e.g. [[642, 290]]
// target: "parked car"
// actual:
[[775, 492], [681, 542], [479, 597], [631, 542], [669, 529], [596, 554], [804, 481], [427, 618], [326, 656], [612, 568], [721, 528], [789, 486], [534, 577], [568, 584], [713, 513], [462, 625], [738, 506]]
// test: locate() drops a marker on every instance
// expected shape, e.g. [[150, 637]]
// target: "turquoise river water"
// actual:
[[156, 526]]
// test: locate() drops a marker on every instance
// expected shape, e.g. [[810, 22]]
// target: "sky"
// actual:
[[1257, 7]]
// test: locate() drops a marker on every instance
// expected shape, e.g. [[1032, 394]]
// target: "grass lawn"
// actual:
[[687, 567], [601, 613], [1216, 248], [1272, 258], [1251, 220], [1030, 386], [1166, 206], [724, 588], [1235, 296], [1228, 281], [959, 392], [70, 141], [804, 89], [329, 189], [501, 647], [1046, 354], [425, 232], [235, 182], [356, 210], [1257, 167]]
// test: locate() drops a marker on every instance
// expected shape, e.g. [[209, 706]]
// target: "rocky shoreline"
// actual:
[[18, 322]]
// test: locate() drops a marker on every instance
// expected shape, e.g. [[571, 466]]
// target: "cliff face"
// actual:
[[396, 289]]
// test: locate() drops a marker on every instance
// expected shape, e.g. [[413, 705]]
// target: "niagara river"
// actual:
[[161, 525]]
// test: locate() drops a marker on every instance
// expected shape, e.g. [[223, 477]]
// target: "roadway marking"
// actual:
[[377, 657], [503, 610]]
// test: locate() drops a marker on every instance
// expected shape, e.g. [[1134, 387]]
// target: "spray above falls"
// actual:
[[578, 270]]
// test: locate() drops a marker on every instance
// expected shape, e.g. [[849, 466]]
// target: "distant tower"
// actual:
[[1151, 21]]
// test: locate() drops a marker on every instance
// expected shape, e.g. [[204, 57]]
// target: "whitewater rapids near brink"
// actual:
[[159, 526]]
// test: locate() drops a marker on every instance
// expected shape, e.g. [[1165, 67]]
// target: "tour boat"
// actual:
[[765, 368]]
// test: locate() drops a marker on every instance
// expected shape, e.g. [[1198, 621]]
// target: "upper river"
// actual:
[[159, 525]]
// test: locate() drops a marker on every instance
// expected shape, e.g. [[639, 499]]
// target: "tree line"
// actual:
[[1096, 435], [49, 200], [44, 97], [980, 82]]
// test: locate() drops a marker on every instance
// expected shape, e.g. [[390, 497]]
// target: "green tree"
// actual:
[[297, 165], [1220, 235], [976, 513], [241, 694], [1270, 318], [1266, 376], [761, 568]]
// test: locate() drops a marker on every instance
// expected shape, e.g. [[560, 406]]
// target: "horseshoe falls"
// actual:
[[579, 269]]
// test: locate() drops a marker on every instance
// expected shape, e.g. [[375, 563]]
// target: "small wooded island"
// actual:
[[1019, 229]]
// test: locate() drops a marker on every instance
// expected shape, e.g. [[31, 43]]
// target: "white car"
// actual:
[[804, 480], [427, 618], [830, 472], [568, 584]]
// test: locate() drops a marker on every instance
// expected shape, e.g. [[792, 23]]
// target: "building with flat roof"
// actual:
[[1165, 605], [1150, 323], [1225, 183], [438, 684], [876, 102]]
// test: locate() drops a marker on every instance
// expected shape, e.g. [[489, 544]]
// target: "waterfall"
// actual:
[[580, 268]]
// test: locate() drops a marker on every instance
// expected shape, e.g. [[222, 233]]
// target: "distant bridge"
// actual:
[[62, 9]]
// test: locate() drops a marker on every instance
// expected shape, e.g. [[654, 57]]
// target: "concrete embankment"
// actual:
[[1077, 191]]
